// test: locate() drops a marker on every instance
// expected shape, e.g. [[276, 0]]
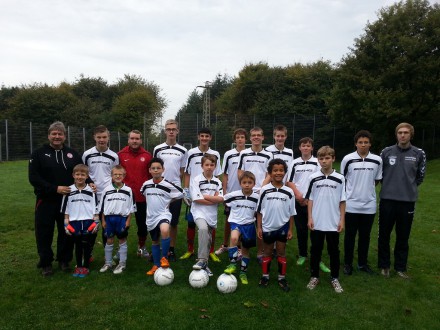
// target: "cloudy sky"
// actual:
[[175, 43]]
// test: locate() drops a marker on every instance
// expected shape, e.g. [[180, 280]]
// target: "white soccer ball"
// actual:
[[163, 276], [198, 278], [226, 283]]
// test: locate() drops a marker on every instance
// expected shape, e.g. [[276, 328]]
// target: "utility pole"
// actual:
[[206, 104]]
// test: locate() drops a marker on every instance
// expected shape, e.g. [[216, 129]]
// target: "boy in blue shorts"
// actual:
[[242, 204], [275, 211], [117, 204], [159, 193], [80, 209]]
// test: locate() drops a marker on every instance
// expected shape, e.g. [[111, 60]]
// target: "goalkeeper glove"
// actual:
[[186, 196], [94, 227], [69, 229]]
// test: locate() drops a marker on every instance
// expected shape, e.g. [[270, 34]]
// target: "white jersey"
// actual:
[[242, 207], [159, 196], [117, 201], [326, 192], [286, 154], [174, 158], [201, 186], [361, 175], [194, 162], [230, 164], [100, 167], [276, 206], [255, 162], [300, 171], [80, 204]]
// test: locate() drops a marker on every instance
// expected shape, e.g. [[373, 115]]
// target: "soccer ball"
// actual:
[[163, 276], [226, 283], [198, 278]]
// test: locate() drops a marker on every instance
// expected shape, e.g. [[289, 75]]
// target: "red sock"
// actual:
[[282, 265], [190, 236], [212, 242], [265, 265]]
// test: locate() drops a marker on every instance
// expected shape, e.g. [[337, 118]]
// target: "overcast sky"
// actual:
[[177, 44]]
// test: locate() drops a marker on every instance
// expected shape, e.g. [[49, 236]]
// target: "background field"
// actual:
[[133, 301]]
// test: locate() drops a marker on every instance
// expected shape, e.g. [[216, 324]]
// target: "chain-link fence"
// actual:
[[19, 138]]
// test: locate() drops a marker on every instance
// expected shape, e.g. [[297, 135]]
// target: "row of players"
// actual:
[[180, 163]]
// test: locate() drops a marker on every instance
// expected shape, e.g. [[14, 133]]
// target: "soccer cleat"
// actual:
[[385, 272], [64, 266], [337, 286], [119, 268], [232, 268], [314, 281], [243, 278], [200, 265], [186, 255], [264, 282], [283, 285], [209, 271], [83, 272], [214, 257], [152, 270], [221, 249], [143, 252], [366, 269], [164, 263], [47, 271], [348, 269], [105, 268], [301, 261], [171, 256], [77, 271], [403, 275], [323, 267]]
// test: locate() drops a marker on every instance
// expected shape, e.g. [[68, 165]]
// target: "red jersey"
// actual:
[[136, 165]]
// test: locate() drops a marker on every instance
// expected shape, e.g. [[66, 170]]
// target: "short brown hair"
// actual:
[[362, 134], [81, 168], [280, 128], [324, 151], [239, 131], [257, 129], [135, 131], [247, 174], [305, 140], [100, 129], [411, 128], [209, 157], [119, 168]]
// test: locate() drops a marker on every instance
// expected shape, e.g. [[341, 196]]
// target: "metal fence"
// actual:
[[19, 138]]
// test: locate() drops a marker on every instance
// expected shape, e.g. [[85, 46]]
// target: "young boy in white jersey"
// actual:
[[275, 213], [80, 209], [159, 194], [117, 204], [362, 171], [230, 180], [206, 194], [100, 160], [174, 157], [255, 159], [297, 178], [326, 210], [242, 204], [278, 149], [192, 169]]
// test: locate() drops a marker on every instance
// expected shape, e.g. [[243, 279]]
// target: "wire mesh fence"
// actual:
[[19, 138]]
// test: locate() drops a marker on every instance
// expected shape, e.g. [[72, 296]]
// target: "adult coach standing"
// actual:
[[135, 160], [50, 173], [404, 167]]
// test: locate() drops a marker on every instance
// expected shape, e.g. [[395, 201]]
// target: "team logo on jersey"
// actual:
[[392, 160], [69, 155], [142, 159]]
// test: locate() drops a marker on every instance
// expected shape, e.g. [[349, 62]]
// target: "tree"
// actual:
[[392, 73]]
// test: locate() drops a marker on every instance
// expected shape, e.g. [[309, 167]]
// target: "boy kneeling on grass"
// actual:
[[326, 211], [275, 211], [159, 193], [117, 204], [80, 209]]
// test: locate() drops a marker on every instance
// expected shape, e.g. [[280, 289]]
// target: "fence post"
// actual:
[[30, 136], [334, 136], [119, 140], [314, 124], [293, 133], [68, 136], [84, 139], [6, 140]]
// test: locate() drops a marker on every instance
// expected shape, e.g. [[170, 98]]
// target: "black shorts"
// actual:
[[155, 233], [175, 207], [279, 235]]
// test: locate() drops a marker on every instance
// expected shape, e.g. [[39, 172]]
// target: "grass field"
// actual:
[[133, 301]]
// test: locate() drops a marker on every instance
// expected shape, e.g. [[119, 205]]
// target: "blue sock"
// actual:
[[233, 254], [156, 254], [165, 246], [244, 264]]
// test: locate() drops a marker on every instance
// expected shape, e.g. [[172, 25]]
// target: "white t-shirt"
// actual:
[[276, 206], [80, 204], [242, 207], [100, 167], [326, 192], [300, 171], [360, 186], [230, 164], [200, 186], [255, 162], [194, 162], [174, 158], [159, 196], [117, 201]]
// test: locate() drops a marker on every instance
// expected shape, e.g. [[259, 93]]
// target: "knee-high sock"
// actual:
[[233, 254], [156, 254], [108, 251], [282, 266], [190, 236], [165, 242], [265, 265], [123, 252], [244, 264], [211, 250]]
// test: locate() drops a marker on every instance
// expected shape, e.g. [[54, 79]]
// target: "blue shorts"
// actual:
[[248, 234], [155, 233], [115, 225], [279, 235], [81, 227]]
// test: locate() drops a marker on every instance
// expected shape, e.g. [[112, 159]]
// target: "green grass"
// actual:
[[133, 301]]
